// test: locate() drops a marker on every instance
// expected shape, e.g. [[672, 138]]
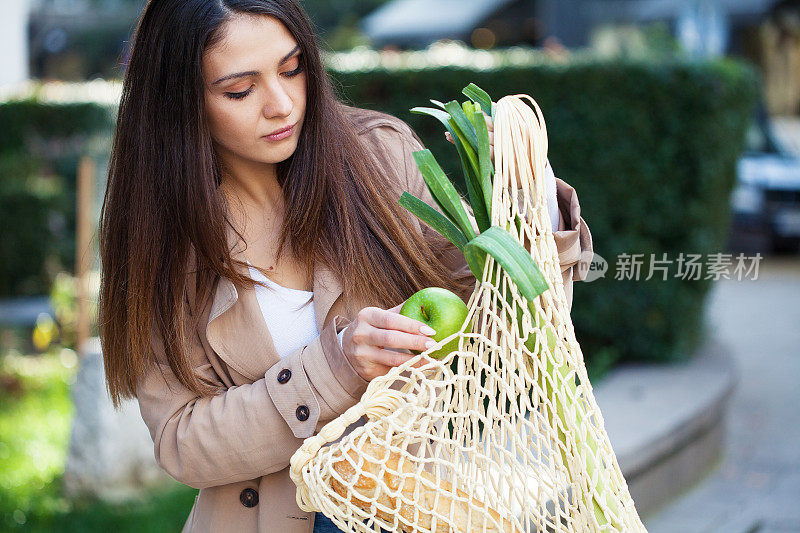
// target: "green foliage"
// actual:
[[336, 23], [35, 419], [40, 146], [651, 148], [27, 242], [35, 414], [28, 121]]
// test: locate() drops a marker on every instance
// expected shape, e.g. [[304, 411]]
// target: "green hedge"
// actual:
[[651, 149], [40, 145]]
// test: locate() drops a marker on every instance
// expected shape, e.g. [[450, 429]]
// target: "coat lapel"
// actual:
[[236, 329], [327, 290]]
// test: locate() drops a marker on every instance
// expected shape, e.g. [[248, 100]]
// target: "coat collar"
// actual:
[[236, 329]]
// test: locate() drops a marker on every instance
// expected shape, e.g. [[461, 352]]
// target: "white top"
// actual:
[[293, 326], [552, 200]]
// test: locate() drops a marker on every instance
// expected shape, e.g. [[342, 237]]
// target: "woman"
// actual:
[[213, 226]]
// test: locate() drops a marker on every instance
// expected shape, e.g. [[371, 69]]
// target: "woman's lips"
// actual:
[[281, 135]]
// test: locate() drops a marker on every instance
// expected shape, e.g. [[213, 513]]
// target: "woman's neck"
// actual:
[[252, 184], [261, 195]]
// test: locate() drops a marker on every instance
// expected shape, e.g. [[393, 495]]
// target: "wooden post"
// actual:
[[83, 250]]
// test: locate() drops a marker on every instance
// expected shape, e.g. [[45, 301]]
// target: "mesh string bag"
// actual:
[[504, 433]]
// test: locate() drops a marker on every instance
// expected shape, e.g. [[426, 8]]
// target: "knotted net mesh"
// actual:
[[503, 434]]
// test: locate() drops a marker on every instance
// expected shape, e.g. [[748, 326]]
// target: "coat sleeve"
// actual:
[[573, 239], [249, 430]]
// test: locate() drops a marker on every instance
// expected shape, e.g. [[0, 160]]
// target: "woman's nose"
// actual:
[[278, 103]]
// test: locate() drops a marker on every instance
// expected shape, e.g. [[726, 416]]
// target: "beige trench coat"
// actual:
[[235, 446]]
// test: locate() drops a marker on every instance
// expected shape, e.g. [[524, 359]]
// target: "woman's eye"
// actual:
[[240, 95], [296, 71]]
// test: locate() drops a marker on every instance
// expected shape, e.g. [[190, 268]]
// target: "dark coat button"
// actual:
[[284, 375], [249, 497], [302, 413]]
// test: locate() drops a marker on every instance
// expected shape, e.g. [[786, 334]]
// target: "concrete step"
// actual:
[[666, 422]]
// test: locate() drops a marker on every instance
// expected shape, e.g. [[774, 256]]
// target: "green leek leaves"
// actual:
[[466, 123]]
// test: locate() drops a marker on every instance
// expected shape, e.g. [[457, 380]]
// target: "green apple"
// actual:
[[442, 310]]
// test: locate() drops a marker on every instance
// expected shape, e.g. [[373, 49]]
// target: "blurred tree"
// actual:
[[336, 21], [346, 35], [84, 39]]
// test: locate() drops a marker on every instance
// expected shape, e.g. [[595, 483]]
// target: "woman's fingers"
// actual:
[[390, 338], [386, 359], [372, 342], [382, 361], [392, 319], [390, 358], [376, 361]]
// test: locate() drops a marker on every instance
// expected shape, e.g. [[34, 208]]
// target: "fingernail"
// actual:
[[429, 345], [427, 330]]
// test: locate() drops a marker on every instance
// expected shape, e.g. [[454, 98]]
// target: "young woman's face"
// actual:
[[254, 86]]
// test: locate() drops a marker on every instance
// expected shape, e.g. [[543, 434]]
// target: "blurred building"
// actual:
[[766, 32], [480, 23], [80, 39], [702, 26], [14, 42]]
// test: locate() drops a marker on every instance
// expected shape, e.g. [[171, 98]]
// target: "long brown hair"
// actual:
[[162, 202]]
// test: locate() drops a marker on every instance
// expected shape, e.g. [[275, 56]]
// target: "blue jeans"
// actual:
[[323, 524]]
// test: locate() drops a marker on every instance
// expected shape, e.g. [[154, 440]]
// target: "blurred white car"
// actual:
[[765, 202]]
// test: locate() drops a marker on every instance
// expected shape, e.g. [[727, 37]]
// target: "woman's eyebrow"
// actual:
[[289, 55], [255, 72]]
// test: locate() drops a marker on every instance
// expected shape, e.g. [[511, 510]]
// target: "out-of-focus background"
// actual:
[[677, 121]]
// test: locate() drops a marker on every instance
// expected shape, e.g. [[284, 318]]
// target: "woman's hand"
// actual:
[[490, 127], [367, 340]]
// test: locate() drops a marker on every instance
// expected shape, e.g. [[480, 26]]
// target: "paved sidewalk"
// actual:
[[756, 487]]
